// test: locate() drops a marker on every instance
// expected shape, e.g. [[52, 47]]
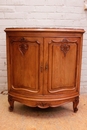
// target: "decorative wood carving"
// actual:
[[64, 40], [43, 105], [64, 45], [64, 48], [23, 48], [23, 40], [75, 103]]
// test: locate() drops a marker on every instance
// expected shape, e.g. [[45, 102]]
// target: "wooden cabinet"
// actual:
[[44, 66]]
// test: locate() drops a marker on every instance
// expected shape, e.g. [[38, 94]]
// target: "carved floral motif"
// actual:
[[64, 44], [64, 48], [23, 48], [43, 105]]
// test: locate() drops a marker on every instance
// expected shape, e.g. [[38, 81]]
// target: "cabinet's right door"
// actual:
[[62, 64]]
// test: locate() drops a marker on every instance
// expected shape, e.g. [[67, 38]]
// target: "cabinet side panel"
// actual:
[[8, 63]]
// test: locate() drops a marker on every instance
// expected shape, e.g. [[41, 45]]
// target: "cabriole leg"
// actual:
[[75, 104], [11, 102]]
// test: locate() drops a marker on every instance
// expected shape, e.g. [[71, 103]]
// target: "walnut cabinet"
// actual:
[[44, 66]]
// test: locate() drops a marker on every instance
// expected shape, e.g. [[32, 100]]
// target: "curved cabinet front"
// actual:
[[44, 66]]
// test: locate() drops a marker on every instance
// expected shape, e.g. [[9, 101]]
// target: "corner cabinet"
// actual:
[[44, 66]]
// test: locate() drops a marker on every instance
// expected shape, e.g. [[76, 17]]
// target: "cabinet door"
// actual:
[[61, 68], [26, 56]]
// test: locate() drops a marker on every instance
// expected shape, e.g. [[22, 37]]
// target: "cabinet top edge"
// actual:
[[46, 29]]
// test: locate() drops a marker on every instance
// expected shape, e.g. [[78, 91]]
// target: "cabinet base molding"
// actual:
[[43, 104]]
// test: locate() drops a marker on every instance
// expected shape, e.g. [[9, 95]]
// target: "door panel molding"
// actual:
[[60, 52], [26, 62]]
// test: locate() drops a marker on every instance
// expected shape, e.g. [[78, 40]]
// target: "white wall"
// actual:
[[42, 13]]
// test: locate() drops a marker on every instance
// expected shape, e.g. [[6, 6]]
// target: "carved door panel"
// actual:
[[61, 64], [26, 56]]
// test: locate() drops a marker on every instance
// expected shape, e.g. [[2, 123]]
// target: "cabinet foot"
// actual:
[[75, 104], [11, 108], [11, 102]]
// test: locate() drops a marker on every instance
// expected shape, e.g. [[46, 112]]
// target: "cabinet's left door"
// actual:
[[26, 65]]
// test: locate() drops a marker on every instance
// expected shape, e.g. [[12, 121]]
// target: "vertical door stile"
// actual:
[[41, 68], [45, 65]]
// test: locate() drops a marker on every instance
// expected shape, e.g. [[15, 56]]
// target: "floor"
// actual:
[[26, 118]]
